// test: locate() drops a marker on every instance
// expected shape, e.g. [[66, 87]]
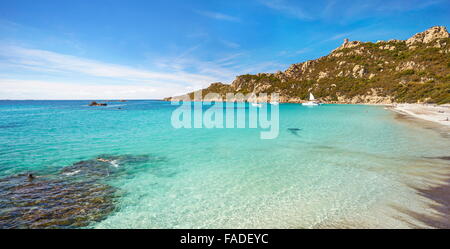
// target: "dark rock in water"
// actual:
[[88, 168], [30, 177], [127, 159], [103, 165], [93, 103], [73, 198], [52, 203], [294, 131]]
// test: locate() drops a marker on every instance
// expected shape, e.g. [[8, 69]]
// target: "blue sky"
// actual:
[[85, 49]]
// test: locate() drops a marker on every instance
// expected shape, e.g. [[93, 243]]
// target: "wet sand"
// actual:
[[431, 188], [436, 185]]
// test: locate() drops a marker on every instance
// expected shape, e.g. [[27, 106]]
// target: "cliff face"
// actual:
[[414, 71]]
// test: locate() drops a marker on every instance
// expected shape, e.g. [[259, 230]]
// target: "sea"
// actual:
[[65, 164]]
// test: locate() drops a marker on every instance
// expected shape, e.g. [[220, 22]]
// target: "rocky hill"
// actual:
[[413, 71]]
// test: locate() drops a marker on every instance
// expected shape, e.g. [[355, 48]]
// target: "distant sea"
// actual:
[[331, 166]]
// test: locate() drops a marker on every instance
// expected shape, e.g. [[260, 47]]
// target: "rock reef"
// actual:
[[74, 197]]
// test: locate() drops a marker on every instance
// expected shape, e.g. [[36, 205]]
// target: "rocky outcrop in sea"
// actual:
[[74, 197]]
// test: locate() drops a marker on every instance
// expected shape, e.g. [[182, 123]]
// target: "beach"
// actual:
[[434, 113]]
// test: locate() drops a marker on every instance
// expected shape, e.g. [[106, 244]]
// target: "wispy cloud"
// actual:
[[47, 61], [230, 44], [362, 9], [218, 16], [364, 34], [67, 68], [339, 36], [287, 8], [225, 68], [401, 6], [328, 10], [61, 76], [294, 53], [229, 59], [345, 11], [221, 69]]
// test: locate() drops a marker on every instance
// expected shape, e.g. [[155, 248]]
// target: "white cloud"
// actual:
[[45, 61], [218, 16], [68, 69], [225, 68], [219, 68], [34, 89], [40, 74]]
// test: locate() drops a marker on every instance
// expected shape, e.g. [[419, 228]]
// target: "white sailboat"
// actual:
[[312, 101], [256, 104]]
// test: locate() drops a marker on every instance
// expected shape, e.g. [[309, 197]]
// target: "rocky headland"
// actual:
[[416, 70]]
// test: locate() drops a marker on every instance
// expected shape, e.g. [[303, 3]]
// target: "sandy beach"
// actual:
[[435, 113]]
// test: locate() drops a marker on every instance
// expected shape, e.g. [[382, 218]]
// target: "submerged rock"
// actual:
[[294, 131], [45, 202], [72, 198], [103, 165]]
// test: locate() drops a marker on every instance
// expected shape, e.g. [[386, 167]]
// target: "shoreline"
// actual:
[[436, 187], [428, 112]]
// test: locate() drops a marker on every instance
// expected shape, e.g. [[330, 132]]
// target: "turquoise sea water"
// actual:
[[341, 165]]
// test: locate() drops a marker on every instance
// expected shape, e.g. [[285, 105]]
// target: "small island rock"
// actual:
[[93, 103]]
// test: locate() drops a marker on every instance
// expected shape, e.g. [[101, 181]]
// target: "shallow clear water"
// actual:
[[344, 161]]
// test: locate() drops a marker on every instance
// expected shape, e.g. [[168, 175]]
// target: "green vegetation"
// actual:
[[420, 74], [407, 72]]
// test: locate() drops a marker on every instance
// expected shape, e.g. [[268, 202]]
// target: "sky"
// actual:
[[149, 49]]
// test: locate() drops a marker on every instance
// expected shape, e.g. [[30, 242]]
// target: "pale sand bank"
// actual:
[[435, 113]]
